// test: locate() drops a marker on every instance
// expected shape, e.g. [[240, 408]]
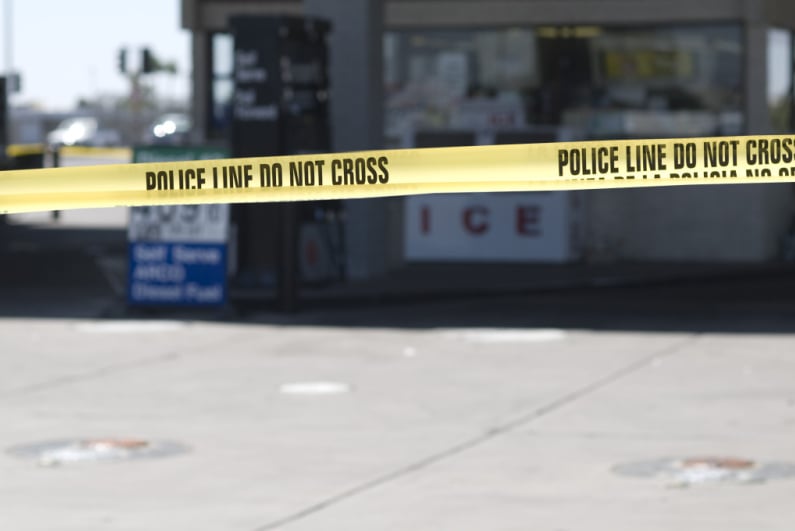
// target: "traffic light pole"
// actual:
[[3, 120]]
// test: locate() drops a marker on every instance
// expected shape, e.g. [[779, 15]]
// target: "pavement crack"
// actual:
[[89, 374], [488, 435]]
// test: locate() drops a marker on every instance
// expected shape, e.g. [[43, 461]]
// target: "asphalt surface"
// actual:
[[567, 408]]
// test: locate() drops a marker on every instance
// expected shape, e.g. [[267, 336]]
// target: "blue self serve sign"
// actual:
[[177, 253]]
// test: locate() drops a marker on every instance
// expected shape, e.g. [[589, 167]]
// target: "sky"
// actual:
[[67, 49]]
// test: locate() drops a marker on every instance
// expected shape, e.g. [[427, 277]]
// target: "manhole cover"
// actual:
[[718, 463], [79, 451], [687, 471]]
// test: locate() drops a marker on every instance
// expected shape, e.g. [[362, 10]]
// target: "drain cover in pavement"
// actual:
[[72, 452], [684, 472]]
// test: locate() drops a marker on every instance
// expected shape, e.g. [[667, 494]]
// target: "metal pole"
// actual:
[[287, 282], [7, 89], [9, 40]]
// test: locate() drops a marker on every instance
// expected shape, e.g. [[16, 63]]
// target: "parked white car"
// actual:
[[170, 129], [82, 131]]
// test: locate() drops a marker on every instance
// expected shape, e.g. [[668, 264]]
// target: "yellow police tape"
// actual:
[[121, 154], [22, 150], [524, 167]]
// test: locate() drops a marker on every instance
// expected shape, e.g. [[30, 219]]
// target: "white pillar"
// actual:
[[757, 117], [357, 108]]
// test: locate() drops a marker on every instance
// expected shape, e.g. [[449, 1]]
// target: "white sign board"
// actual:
[[511, 227], [179, 223]]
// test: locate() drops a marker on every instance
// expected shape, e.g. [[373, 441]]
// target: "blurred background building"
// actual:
[[459, 72]]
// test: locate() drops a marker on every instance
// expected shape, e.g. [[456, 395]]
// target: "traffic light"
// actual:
[[151, 64], [122, 60], [148, 61]]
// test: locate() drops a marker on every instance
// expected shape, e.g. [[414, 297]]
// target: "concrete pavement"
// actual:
[[503, 413], [475, 412]]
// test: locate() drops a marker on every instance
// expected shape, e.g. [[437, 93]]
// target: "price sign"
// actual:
[[177, 253]]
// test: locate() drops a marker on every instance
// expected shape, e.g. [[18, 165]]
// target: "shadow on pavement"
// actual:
[[64, 273], [55, 272], [730, 305]]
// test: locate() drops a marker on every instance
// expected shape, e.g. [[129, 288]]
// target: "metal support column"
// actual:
[[357, 109]]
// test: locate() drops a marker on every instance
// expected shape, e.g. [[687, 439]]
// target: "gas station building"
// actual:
[[421, 73]]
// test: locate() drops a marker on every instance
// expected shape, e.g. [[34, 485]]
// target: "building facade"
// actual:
[[410, 73]]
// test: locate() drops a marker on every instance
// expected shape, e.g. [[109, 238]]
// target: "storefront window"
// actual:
[[780, 80], [221, 85], [561, 83]]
